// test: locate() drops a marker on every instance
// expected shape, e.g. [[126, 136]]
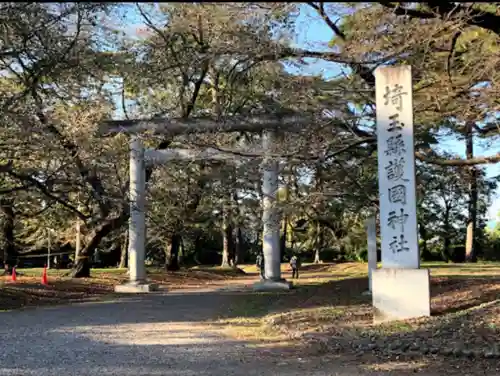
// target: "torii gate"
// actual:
[[139, 158]]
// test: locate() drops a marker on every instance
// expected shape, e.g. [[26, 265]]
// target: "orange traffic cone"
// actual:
[[45, 282], [13, 275]]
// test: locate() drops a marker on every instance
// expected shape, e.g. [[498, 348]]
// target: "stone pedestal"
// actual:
[[400, 294], [270, 285], [136, 287]]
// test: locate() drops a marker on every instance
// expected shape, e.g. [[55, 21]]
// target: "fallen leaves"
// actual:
[[335, 318]]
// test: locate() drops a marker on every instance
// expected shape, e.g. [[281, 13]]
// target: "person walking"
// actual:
[[294, 263], [260, 264]]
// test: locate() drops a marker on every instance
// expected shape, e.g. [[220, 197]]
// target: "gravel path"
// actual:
[[140, 335], [158, 334]]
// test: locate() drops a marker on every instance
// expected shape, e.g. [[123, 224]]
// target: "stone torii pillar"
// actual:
[[270, 221], [137, 222]]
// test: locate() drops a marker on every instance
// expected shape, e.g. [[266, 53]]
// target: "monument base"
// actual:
[[400, 294], [136, 287], [270, 285]]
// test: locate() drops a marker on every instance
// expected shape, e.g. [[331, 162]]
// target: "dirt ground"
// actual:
[[326, 318], [27, 290]]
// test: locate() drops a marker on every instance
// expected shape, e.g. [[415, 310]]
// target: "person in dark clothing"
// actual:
[[260, 264], [294, 263]]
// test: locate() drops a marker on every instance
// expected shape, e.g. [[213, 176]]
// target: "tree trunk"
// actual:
[[81, 268], [124, 251], [284, 235], [78, 244], [319, 243], [238, 233], [470, 242], [320, 208], [182, 252], [446, 237], [172, 259], [226, 237], [228, 250], [290, 240], [238, 244], [317, 259], [198, 247], [7, 218]]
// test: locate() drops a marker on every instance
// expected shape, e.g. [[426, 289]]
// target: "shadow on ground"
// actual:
[[157, 335], [457, 292], [174, 334]]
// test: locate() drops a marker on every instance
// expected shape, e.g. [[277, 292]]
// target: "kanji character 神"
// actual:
[[397, 219]]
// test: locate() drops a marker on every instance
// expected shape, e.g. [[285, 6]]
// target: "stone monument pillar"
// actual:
[[400, 289]]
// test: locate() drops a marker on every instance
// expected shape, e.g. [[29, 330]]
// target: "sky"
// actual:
[[312, 33]]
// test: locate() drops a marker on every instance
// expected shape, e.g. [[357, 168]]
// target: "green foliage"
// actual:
[[491, 242]]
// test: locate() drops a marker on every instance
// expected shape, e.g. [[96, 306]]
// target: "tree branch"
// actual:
[[451, 55], [95, 183], [369, 140], [400, 11], [488, 128], [446, 9], [42, 188], [358, 68], [321, 11], [459, 162]]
